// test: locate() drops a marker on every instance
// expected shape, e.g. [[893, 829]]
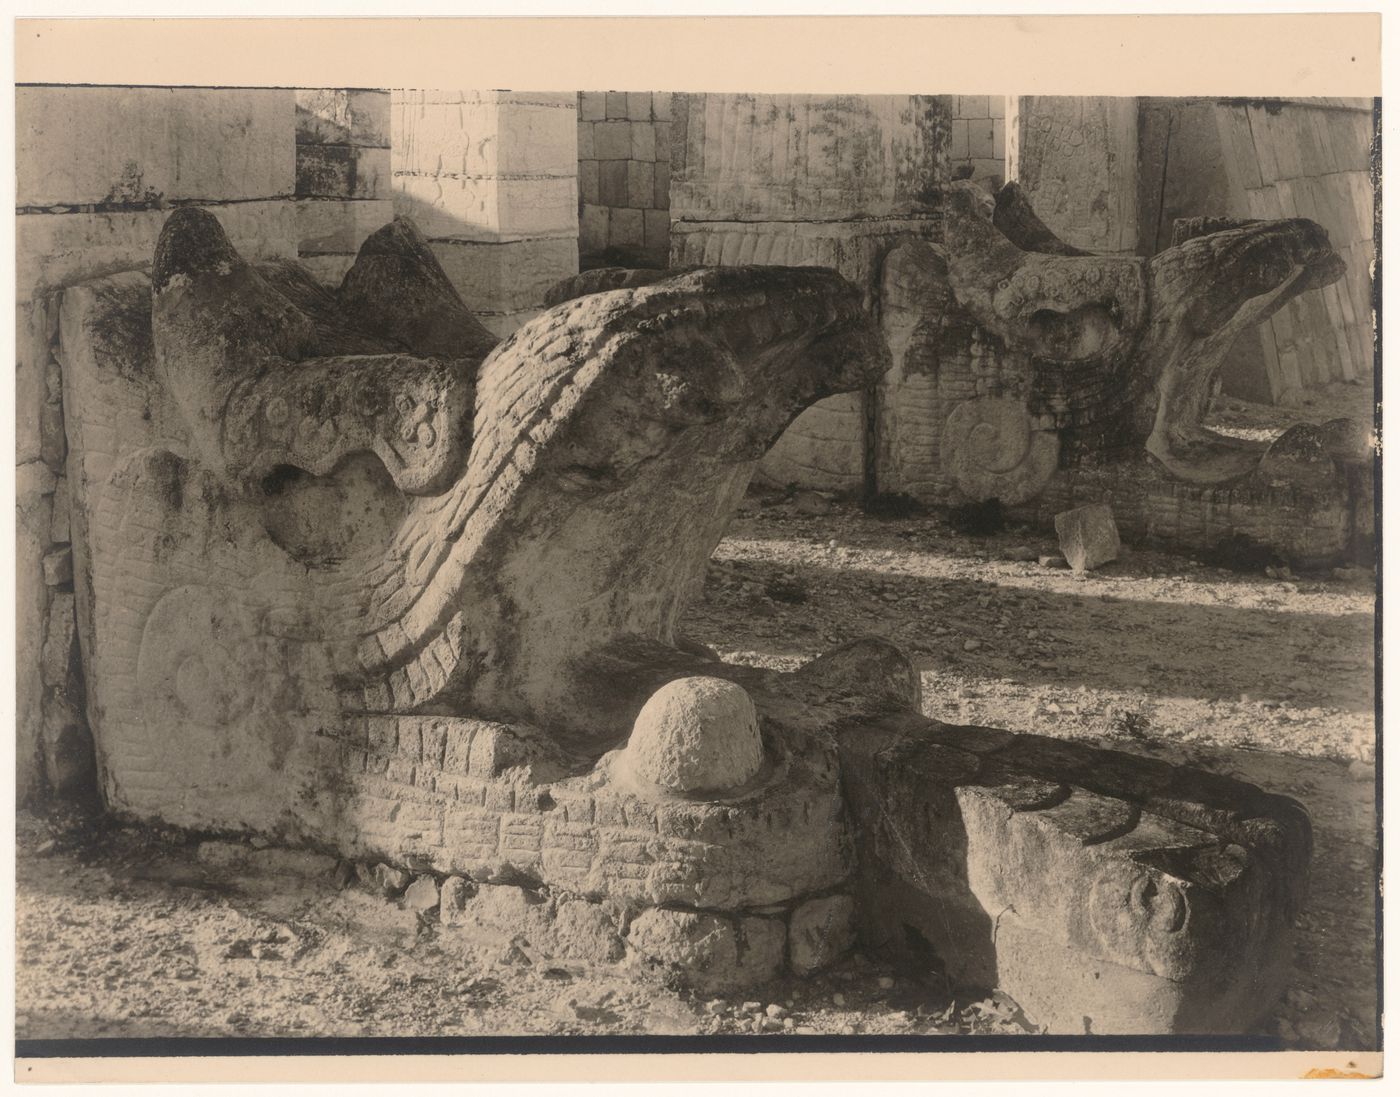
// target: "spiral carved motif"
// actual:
[[992, 448]]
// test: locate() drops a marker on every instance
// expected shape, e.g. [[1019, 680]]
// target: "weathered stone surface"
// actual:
[[696, 735], [728, 208], [584, 931], [391, 880], [60, 640], [1076, 156], [72, 138], [707, 952], [342, 116], [820, 932], [1088, 536], [493, 914], [1026, 370], [877, 159], [452, 898], [58, 567], [408, 596]]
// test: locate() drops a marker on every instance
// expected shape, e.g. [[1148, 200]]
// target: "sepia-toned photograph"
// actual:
[[615, 562]]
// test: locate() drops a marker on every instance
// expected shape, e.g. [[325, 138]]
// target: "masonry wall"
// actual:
[[977, 142], [491, 178], [97, 172], [342, 175], [624, 175]]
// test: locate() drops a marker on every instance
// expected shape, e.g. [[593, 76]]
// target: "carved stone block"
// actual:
[[350, 576]]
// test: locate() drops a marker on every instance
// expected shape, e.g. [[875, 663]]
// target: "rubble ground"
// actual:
[[125, 931]]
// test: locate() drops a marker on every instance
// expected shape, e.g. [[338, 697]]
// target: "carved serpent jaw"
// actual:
[[1121, 351], [550, 500], [1206, 292]]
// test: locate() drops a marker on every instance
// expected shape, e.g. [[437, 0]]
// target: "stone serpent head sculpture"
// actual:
[[1101, 356], [352, 575]]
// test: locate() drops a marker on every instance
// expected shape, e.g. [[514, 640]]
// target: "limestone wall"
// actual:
[[492, 180], [624, 176], [98, 170], [808, 180], [1273, 159], [342, 180], [978, 138]]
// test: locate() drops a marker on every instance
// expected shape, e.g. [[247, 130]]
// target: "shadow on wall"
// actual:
[[502, 278]]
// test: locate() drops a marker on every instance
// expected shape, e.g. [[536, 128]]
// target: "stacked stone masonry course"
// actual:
[[978, 141], [342, 182], [491, 178], [624, 178]]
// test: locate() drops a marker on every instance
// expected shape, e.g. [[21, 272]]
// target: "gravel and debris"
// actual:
[[127, 931]]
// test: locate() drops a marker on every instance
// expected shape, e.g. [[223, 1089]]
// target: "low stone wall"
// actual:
[[624, 175], [98, 169]]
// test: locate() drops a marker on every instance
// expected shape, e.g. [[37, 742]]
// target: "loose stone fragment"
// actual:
[[391, 881], [1088, 536], [422, 894]]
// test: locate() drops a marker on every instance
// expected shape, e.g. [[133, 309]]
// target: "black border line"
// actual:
[[168, 1047]]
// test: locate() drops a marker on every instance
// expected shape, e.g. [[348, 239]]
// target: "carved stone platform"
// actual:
[[353, 580]]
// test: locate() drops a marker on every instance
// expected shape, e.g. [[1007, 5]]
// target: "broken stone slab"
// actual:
[[1088, 536]]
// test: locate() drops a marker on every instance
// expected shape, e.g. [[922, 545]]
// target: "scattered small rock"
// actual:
[[775, 1010], [886, 982], [422, 894], [1021, 553], [811, 503], [344, 873], [1053, 562], [716, 1006], [391, 881], [971, 645]]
